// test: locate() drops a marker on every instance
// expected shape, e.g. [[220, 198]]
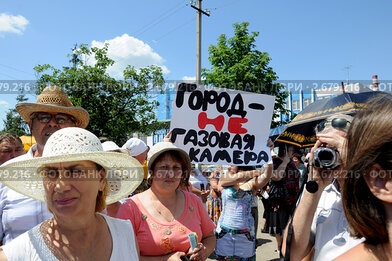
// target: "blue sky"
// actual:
[[307, 40]]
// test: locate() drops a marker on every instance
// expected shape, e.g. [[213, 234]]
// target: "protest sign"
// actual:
[[221, 126]]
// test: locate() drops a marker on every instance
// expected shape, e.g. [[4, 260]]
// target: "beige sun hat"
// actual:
[[123, 172], [53, 99], [164, 146]]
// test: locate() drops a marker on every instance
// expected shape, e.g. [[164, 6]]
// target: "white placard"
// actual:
[[222, 126]]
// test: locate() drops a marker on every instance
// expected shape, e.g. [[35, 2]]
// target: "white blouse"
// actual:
[[35, 248]]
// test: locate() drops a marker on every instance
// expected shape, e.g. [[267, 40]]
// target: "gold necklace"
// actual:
[[173, 213]]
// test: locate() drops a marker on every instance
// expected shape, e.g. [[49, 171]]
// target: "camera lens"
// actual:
[[326, 158]]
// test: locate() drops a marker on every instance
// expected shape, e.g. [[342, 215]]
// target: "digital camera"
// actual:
[[326, 158]]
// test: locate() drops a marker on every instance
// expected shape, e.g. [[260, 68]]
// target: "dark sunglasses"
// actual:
[[336, 123], [60, 118]]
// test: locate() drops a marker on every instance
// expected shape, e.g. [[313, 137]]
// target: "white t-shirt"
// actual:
[[31, 245], [196, 181], [330, 232]]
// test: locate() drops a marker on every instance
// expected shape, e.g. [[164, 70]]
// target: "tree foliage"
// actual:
[[237, 64], [117, 108], [14, 123]]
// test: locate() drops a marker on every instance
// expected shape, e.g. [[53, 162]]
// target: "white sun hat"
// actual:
[[109, 146], [135, 146], [123, 172]]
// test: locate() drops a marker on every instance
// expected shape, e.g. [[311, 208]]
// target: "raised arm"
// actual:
[[280, 172], [260, 181], [232, 178]]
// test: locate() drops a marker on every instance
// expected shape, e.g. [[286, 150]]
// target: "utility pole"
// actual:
[[198, 37], [348, 73]]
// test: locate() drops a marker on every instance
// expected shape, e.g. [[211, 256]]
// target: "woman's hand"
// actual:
[[200, 253], [270, 144], [167, 137], [176, 256], [323, 177], [334, 139], [204, 195]]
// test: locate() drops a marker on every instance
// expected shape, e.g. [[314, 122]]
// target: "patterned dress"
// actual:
[[214, 202]]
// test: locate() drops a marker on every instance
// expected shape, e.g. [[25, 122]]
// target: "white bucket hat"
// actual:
[[109, 146], [123, 172], [135, 146], [164, 146]]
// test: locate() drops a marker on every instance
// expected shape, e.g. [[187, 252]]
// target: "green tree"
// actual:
[[117, 108], [14, 123], [236, 64]]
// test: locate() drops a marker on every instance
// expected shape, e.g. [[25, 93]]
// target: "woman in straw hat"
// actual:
[[51, 112], [163, 216], [77, 179]]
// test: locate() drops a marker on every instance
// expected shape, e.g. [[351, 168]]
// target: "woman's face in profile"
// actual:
[[71, 188], [167, 173]]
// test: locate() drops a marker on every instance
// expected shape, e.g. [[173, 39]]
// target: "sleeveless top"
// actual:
[[35, 249], [236, 209]]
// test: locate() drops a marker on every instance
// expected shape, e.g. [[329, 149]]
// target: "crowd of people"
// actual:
[[74, 196]]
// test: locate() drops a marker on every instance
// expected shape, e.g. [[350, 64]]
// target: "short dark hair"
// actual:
[[177, 156], [246, 168], [282, 149]]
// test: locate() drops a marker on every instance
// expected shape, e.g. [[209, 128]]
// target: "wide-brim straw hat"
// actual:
[[164, 146], [123, 172], [53, 99]]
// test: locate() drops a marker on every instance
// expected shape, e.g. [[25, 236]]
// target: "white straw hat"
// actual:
[[164, 146], [123, 172]]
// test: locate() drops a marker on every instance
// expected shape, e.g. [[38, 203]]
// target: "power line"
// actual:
[[176, 28], [12, 68], [225, 5], [159, 19], [9, 76]]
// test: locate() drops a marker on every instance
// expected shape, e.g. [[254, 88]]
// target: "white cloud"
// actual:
[[189, 78], [2, 102], [12, 23], [127, 50]]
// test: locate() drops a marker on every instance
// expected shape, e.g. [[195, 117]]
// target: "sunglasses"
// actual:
[[336, 123], [60, 118]]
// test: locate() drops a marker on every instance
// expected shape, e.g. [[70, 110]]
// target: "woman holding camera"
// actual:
[[327, 230]]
